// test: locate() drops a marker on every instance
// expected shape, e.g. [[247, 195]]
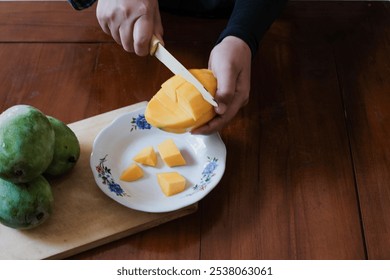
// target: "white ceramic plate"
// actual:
[[116, 145]]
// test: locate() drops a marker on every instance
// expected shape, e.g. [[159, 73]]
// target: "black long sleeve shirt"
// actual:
[[249, 20]]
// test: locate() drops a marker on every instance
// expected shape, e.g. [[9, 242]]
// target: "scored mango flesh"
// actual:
[[178, 106]]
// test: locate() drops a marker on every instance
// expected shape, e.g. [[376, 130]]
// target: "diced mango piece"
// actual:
[[178, 106], [171, 183], [146, 156], [132, 173], [170, 153]]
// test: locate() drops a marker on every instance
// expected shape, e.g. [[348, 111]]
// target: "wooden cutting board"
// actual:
[[83, 216]]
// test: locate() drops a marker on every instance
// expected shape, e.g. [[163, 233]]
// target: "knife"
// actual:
[[158, 50]]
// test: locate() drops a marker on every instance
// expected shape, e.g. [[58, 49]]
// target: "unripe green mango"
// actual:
[[66, 149], [26, 143], [25, 205]]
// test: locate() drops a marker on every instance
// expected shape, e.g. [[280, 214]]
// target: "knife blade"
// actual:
[[162, 54]]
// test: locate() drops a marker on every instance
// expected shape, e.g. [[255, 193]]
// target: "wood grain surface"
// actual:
[[308, 158], [83, 216]]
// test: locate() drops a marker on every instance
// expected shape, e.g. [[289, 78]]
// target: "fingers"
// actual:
[[142, 34], [219, 121], [115, 23], [144, 28], [124, 36], [130, 23], [230, 63], [158, 27], [234, 102]]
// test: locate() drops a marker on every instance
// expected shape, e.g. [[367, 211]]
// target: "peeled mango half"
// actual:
[[178, 106]]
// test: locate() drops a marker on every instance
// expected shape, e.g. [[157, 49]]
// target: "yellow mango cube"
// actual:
[[170, 153], [171, 182], [146, 156], [132, 173]]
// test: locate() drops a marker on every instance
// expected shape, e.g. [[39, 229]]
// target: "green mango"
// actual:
[[66, 149], [25, 205], [26, 143]]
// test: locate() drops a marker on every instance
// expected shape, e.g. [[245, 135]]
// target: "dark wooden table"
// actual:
[[308, 166]]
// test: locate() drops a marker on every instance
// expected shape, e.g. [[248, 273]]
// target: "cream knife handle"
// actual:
[[154, 44]]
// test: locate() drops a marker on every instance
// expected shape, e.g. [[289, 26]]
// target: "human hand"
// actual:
[[130, 23], [230, 62]]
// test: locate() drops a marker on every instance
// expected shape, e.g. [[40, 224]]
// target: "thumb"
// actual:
[[226, 87]]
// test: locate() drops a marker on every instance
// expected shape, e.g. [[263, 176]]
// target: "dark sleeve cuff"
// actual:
[[251, 19], [81, 4], [239, 33]]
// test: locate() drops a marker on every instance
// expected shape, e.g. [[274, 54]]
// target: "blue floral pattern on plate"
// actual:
[[140, 123], [105, 174], [207, 174], [116, 144]]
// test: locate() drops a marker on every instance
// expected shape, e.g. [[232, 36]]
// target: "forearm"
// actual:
[[251, 19]]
